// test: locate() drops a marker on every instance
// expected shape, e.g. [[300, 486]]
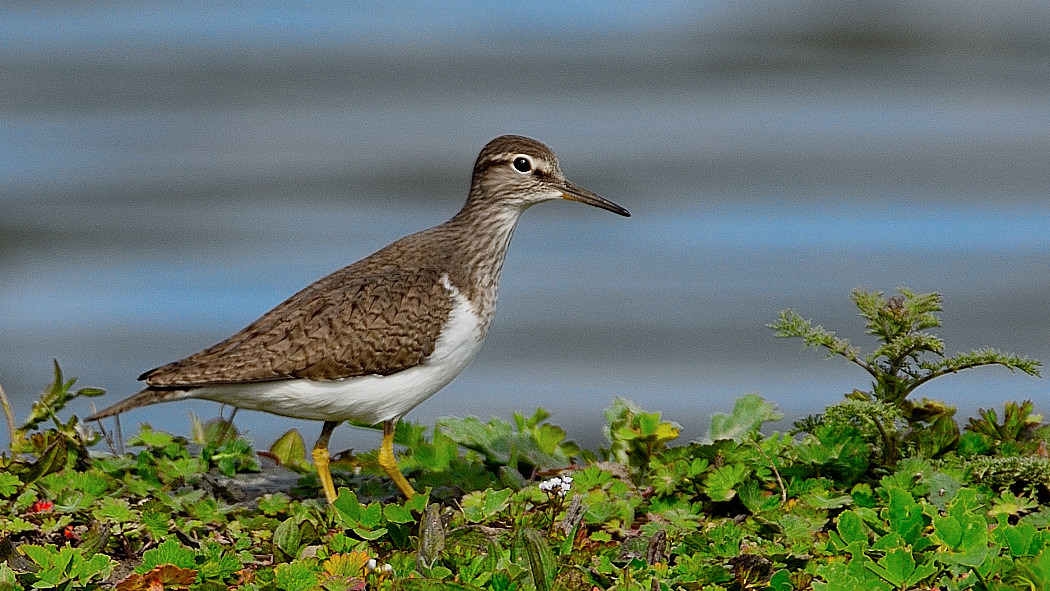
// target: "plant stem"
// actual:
[[889, 442], [9, 415], [780, 481]]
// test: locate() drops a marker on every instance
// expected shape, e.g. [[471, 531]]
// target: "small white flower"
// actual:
[[559, 486], [374, 566]]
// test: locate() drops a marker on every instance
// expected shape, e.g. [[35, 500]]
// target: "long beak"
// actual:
[[574, 192]]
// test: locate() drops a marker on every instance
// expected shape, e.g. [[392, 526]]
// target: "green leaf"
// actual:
[[800, 531], [370, 534], [150, 438], [851, 527], [156, 523], [943, 488], [41, 555], [213, 431], [435, 456], [59, 567], [291, 451], [898, 567], [962, 531], [949, 531], [644, 424], [1031, 573], [180, 469], [347, 507], [540, 558], [480, 506], [757, 499], [722, 482], [904, 515], [114, 509], [635, 436], [372, 516], [837, 452], [9, 483], [85, 570], [1020, 540], [491, 439], [295, 576], [287, 539], [15, 525], [398, 514], [781, 581], [823, 501], [749, 413], [216, 562], [418, 503], [849, 576], [168, 552], [723, 540], [52, 460], [274, 503]]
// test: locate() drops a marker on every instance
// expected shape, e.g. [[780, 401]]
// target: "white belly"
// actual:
[[369, 399]]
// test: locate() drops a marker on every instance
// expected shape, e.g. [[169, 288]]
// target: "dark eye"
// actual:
[[522, 164]]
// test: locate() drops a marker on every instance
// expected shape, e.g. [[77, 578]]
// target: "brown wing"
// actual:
[[356, 321]]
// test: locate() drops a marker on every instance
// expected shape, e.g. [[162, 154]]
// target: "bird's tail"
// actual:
[[143, 398]]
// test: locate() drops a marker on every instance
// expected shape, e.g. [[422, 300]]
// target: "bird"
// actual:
[[371, 341]]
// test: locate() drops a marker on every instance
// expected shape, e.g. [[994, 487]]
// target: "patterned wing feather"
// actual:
[[356, 321]]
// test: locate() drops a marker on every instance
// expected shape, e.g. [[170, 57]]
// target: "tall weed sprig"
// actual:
[[907, 357]]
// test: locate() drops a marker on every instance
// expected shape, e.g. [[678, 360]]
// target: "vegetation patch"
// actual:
[[878, 492]]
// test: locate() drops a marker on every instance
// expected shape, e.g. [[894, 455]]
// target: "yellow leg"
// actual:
[[389, 464], [321, 460]]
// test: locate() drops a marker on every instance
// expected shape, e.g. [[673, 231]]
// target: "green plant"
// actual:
[[1021, 474], [532, 444], [1020, 432], [64, 568], [907, 357], [52, 449], [55, 397], [868, 496], [635, 435], [750, 412]]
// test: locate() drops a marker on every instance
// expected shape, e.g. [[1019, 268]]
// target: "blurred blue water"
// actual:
[[169, 173]]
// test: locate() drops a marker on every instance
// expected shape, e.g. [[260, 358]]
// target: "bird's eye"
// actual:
[[522, 164]]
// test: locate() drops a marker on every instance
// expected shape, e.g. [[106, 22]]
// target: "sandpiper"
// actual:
[[373, 340]]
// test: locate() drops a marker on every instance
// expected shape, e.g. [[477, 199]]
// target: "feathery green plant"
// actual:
[[907, 357]]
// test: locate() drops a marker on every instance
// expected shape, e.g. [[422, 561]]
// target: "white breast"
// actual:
[[372, 398]]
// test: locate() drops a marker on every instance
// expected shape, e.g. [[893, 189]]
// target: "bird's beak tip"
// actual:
[[584, 196]]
